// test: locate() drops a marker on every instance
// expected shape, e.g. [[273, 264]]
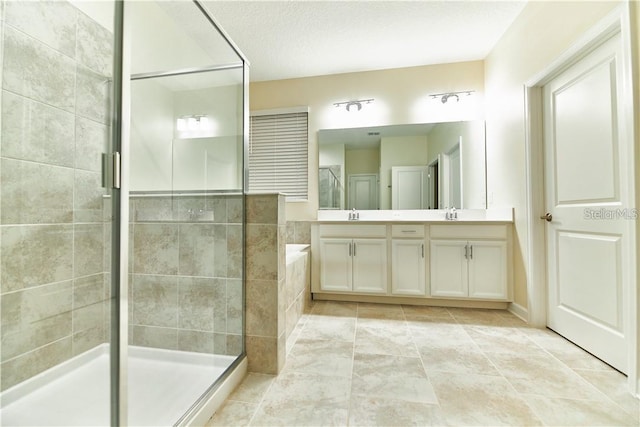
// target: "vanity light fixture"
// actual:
[[353, 105], [444, 97], [191, 123]]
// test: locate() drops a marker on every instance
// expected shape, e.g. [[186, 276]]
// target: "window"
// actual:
[[278, 152]]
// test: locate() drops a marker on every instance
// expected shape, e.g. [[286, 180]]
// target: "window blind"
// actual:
[[278, 152]]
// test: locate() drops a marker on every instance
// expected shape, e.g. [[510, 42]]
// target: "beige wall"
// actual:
[[399, 151], [401, 96], [542, 32], [362, 161]]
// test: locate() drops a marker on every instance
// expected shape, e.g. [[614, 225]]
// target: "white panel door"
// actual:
[[587, 195], [449, 276], [409, 187], [487, 269], [363, 191], [370, 265], [407, 267], [335, 264]]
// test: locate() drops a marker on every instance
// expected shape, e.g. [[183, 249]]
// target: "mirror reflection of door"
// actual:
[[455, 178], [433, 192], [363, 191], [330, 187], [409, 187]]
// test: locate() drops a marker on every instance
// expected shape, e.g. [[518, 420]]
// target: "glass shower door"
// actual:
[[186, 169]]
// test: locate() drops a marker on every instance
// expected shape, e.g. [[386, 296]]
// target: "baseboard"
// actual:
[[518, 311]]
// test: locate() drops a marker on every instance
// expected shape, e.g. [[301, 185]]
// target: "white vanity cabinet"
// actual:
[[449, 263], [353, 259], [408, 260], [469, 262]]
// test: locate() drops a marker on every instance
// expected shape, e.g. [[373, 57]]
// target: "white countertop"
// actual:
[[501, 215]]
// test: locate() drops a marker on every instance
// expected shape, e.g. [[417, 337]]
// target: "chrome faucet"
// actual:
[[451, 214], [353, 215]]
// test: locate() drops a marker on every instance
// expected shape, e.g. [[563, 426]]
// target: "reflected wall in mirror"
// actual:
[[414, 166]]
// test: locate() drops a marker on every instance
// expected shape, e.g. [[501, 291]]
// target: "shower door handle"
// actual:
[[111, 170]]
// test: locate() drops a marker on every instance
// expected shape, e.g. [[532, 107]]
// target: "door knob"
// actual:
[[547, 217]]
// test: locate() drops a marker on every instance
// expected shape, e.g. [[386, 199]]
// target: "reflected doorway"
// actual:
[[363, 191]]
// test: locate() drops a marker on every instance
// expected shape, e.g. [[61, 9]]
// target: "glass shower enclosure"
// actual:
[[121, 211]]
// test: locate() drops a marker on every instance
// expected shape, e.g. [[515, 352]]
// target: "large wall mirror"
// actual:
[[415, 166]]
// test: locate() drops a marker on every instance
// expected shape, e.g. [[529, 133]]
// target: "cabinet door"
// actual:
[[335, 265], [448, 266], [370, 266], [488, 269], [407, 267]]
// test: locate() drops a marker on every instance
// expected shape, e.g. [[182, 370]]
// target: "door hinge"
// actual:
[[111, 170]]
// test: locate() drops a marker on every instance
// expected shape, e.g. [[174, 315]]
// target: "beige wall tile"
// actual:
[[155, 301], [151, 336], [154, 248], [262, 354], [262, 308], [196, 302], [35, 193], [196, 341], [29, 364], [262, 209], [262, 253], [88, 250]]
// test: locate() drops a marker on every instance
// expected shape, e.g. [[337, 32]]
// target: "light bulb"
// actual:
[[181, 125]]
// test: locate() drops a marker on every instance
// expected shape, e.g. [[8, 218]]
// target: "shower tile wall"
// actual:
[[56, 67], [186, 287]]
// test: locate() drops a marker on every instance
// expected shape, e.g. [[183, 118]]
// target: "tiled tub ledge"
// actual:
[[297, 291]]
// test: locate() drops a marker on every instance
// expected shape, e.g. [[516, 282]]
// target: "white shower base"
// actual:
[[163, 384]]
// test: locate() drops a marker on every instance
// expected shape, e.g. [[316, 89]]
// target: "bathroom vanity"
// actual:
[[414, 257]]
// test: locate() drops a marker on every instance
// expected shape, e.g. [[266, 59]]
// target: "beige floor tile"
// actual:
[[300, 399], [252, 388], [458, 360], [468, 399], [502, 339], [477, 316], [542, 375], [614, 385], [394, 341], [393, 377], [441, 336], [426, 311], [325, 357], [565, 351], [390, 311], [330, 328], [336, 309], [233, 413], [368, 364], [376, 411], [568, 412]]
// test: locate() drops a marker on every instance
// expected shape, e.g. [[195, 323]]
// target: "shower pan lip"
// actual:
[[150, 369]]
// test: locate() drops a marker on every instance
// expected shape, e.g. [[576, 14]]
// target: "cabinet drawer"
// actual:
[[461, 231], [359, 230], [407, 230]]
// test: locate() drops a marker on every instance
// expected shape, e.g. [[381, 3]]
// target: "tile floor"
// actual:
[[361, 364]]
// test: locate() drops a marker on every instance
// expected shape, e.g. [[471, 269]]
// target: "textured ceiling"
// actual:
[[289, 39]]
